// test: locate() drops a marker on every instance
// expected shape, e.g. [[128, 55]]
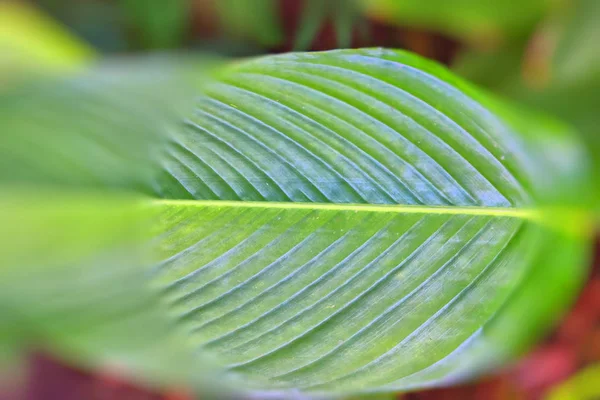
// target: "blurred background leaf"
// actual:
[[343, 14], [256, 20], [74, 282], [79, 153], [585, 385], [101, 23], [29, 39], [115, 113]]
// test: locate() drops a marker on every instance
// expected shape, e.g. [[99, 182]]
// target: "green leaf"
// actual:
[[350, 222], [365, 221]]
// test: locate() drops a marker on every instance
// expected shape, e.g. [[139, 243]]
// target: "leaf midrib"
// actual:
[[523, 213]]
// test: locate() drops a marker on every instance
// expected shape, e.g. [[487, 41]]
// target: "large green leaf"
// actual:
[[365, 221], [358, 221]]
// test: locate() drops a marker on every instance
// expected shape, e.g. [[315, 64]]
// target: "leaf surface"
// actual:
[[363, 220], [342, 299]]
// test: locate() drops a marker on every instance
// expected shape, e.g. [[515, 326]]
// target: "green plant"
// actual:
[[342, 222]]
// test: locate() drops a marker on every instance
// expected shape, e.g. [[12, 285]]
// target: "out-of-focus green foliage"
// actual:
[[115, 113], [577, 56], [100, 23], [158, 24], [477, 21], [557, 70], [259, 20], [33, 44], [344, 14], [125, 25], [79, 154], [256, 20], [72, 281], [585, 385]]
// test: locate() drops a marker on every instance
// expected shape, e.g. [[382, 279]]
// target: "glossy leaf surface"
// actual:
[[343, 299], [364, 221]]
